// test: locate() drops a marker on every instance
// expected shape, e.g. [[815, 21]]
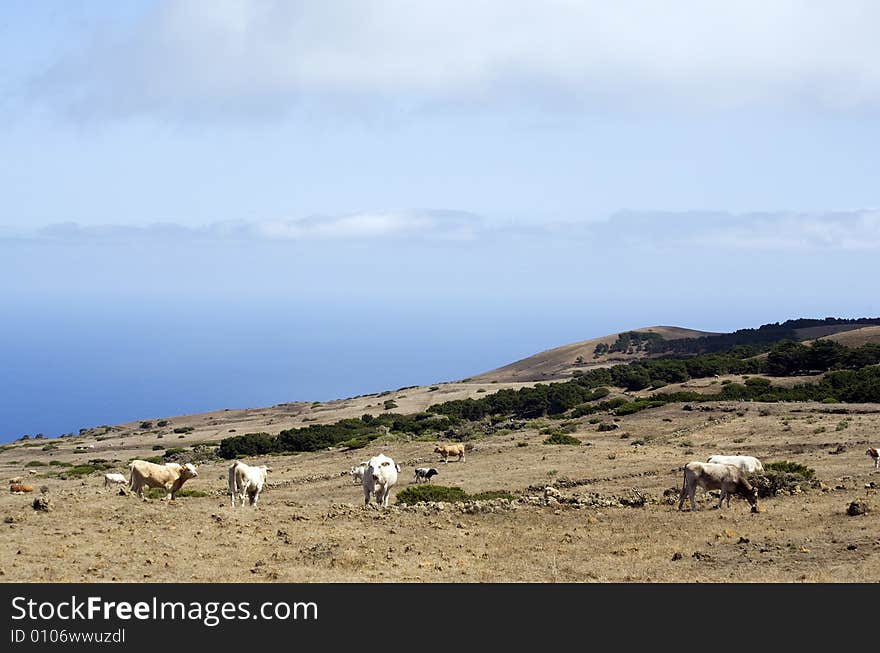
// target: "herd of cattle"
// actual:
[[729, 474]]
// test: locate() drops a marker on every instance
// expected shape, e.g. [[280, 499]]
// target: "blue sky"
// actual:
[[521, 175]]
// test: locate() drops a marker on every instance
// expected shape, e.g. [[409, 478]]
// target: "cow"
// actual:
[[379, 477], [357, 471], [170, 476], [748, 464], [447, 450], [425, 474], [20, 487], [713, 476], [874, 455], [114, 478], [246, 480]]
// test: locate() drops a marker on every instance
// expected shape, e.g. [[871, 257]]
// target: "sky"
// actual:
[[459, 183]]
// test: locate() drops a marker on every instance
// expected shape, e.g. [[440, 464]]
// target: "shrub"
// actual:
[[787, 467], [158, 447], [491, 494], [80, 470], [594, 420], [58, 463], [173, 451], [607, 427], [430, 492], [194, 494], [162, 422], [562, 438], [842, 425], [35, 463], [146, 425], [389, 404], [522, 444], [184, 429]]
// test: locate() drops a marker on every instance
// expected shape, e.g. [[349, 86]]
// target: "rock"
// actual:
[[42, 503], [852, 547], [857, 508], [677, 556]]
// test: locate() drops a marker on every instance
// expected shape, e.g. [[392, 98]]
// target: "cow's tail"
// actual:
[[232, 483]]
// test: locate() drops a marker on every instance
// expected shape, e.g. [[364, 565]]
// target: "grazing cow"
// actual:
[[380, 476], [170, 476], [246, 480], [19, 487], [425, 474], [875, 456], [748, 464], [713, 476], [447, 450], [114, 478]]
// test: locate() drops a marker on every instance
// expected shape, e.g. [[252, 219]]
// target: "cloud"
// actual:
[[793, 231], [412, 224], [695, 231], [273, 56]]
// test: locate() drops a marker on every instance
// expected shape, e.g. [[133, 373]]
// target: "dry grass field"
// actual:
[[611, 515]]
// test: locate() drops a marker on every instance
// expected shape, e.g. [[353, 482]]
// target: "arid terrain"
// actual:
[[610, 514]]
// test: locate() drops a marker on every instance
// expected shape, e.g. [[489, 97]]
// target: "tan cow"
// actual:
[[713, 476], [447, 450], [20, 487], [170, 476]]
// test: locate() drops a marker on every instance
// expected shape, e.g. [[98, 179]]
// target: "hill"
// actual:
[[559, 363]]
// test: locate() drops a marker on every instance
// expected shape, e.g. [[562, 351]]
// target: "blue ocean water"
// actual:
[[70, 364]]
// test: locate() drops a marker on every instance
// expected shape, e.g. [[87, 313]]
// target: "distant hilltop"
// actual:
[[656, 341]]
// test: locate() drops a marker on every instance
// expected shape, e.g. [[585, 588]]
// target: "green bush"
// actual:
[[788, 467], [59, 463], [490, 495], [80, 470], [146, 425], [158, 447], [35, 463], [607, 427], [561, 438], [389, 404], [430, 492], [162, 422], [184, 429]]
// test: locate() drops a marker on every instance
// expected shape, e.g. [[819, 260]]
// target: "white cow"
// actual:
[[246, 481], [170, 476], [713, 476], [112, 478], [748, 464], [357, 471], [380, 476]]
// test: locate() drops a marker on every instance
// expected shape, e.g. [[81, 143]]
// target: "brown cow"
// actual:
[[170, 476], [20, 487], [447, 450]]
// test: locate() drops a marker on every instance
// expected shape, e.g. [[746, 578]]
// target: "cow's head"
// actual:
[[431, 472], [188, 471], [871, 452], [380, 466]]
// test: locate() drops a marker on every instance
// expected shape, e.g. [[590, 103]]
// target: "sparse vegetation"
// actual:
[[562, 438]]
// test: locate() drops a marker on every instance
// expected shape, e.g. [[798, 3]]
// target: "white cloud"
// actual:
[[852, 230], [419, 224], [234, 55], [832, 230]]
